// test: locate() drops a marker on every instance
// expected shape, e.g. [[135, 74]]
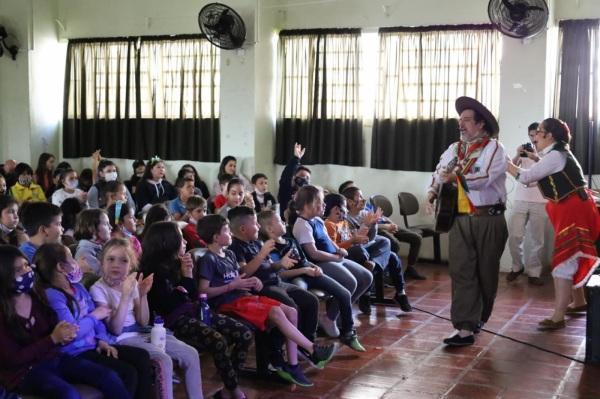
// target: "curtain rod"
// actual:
[[431, 28], [324, 31], [143, 38]]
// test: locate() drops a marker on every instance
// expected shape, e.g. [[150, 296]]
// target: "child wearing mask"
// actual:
[[69, 188], [25, 189], [263, 199]]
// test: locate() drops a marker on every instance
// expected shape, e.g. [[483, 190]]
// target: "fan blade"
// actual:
[[508, 4], [535, 8]]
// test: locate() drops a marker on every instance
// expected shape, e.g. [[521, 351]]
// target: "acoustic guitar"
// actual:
[[446, 203]]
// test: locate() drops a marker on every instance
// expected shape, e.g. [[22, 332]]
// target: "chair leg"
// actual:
[[379, 297]]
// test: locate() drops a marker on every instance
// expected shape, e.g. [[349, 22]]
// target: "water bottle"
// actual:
[[158, 334], [204, 310]]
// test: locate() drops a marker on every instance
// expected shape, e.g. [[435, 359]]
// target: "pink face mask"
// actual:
[[75, 275]]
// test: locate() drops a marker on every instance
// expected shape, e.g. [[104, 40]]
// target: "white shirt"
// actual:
[[59, 196], [104, 294], [303, 232], [550, 163], [529, 192], [487, 177]]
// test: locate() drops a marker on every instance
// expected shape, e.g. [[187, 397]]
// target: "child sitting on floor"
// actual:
[[228, 292]]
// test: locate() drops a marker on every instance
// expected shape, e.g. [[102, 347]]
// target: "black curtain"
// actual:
[[414, 144], [319, 97], [576, 100], [139, 97]]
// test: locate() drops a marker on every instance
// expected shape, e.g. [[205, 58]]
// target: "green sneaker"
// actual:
[[351, 339], [294, 375], [321, 355]]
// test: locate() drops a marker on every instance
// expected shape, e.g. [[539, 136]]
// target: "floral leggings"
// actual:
[[227, 340]]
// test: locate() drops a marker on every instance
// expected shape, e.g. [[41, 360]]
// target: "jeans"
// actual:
[[53, 379], [352, 276]]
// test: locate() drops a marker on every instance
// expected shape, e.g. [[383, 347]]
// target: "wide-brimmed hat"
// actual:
[[464, 102]]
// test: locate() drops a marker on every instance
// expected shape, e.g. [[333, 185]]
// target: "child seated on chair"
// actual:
[[263, 199], [308, 275], [363, 244], [236, 196], [229, 293], [185, 189], [196, 210]]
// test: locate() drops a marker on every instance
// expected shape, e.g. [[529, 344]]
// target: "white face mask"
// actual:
[[72, 184], [110, 176]]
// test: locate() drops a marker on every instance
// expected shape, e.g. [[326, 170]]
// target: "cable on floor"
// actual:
[[509, 338]]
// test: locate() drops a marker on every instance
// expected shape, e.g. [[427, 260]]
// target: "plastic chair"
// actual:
[[409, 205]]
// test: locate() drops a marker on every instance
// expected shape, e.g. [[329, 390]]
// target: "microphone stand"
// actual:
[[591, 146]]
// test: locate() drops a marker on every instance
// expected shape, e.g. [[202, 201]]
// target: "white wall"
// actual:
[[31, 88]]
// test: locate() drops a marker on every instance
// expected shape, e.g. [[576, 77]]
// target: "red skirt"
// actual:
[[576, 228], [252, 308]]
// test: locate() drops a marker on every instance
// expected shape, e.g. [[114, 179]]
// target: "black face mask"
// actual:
[[300, 181]]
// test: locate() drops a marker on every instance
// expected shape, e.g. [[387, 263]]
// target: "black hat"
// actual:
[[463, 103]]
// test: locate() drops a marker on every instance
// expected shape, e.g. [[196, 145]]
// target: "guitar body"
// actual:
[[446, 203], [445, 207]]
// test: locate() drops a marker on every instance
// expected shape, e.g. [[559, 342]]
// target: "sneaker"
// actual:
[[294, 375], [457, 340], [351, 339], [364, 304], [329, 326], [402, 300], [411, 272], [321, 355], [535, 281]]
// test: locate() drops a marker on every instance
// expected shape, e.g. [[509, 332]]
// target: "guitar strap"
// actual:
[[467, 154]]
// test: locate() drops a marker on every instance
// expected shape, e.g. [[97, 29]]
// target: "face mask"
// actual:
[[73, 184], [25, 181], [75, 275], [110, 176], [140, 174], [24, 283], [300, 181]]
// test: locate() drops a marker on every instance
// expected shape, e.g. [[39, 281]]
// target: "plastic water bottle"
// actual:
[[205, 316], [158, 334]]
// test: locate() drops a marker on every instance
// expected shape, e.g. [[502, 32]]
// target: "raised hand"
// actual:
[[359, 237], [187, 265], [145, 284], [299, 151], [129, 286], [267, 247]]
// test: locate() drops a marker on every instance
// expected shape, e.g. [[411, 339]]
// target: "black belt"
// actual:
[[487, 210]]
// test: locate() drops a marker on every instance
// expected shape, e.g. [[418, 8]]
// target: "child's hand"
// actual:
[[258, 285], [286, 262], [181, 289], [96, 157], [64, 332], [83, 196], [187, 265], [248, 200], [242, 283], [299, 151], [129, 286], [101, 312], [359, 237], [342, 252], [110, 351], [313, 271], [145, 284], [266, 249]]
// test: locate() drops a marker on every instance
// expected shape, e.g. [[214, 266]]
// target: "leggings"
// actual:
[[133, 366], [352, 276], [339, 303], [227, 340], [54, 378], [380, 252]]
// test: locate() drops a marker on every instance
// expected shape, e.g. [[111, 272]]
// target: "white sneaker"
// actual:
[[329, 326]]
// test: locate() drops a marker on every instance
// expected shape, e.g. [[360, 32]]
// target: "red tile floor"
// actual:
[[405, 356]]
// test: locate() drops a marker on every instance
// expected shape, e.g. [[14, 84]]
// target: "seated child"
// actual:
[[309, 230], [70, 208], [220, 198], [10, 232], [156, 213], [174, 296], [25, 189], [42, 223], [68, 184], [3, 186], [114, 191], [58, 278], [253, 258], [263, 199], [185, 189], [309, 275], [377, 249], [228, 293], [125, 294], [92, 229], [236, 196], [196, 210], [31, 341], [123, 224]]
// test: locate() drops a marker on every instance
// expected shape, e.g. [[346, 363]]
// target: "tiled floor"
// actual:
[[406, 358]]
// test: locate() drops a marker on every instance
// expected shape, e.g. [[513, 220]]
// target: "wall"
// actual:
[[31, 95]]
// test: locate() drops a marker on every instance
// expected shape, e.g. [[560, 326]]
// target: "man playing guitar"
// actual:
[[478, 234]]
